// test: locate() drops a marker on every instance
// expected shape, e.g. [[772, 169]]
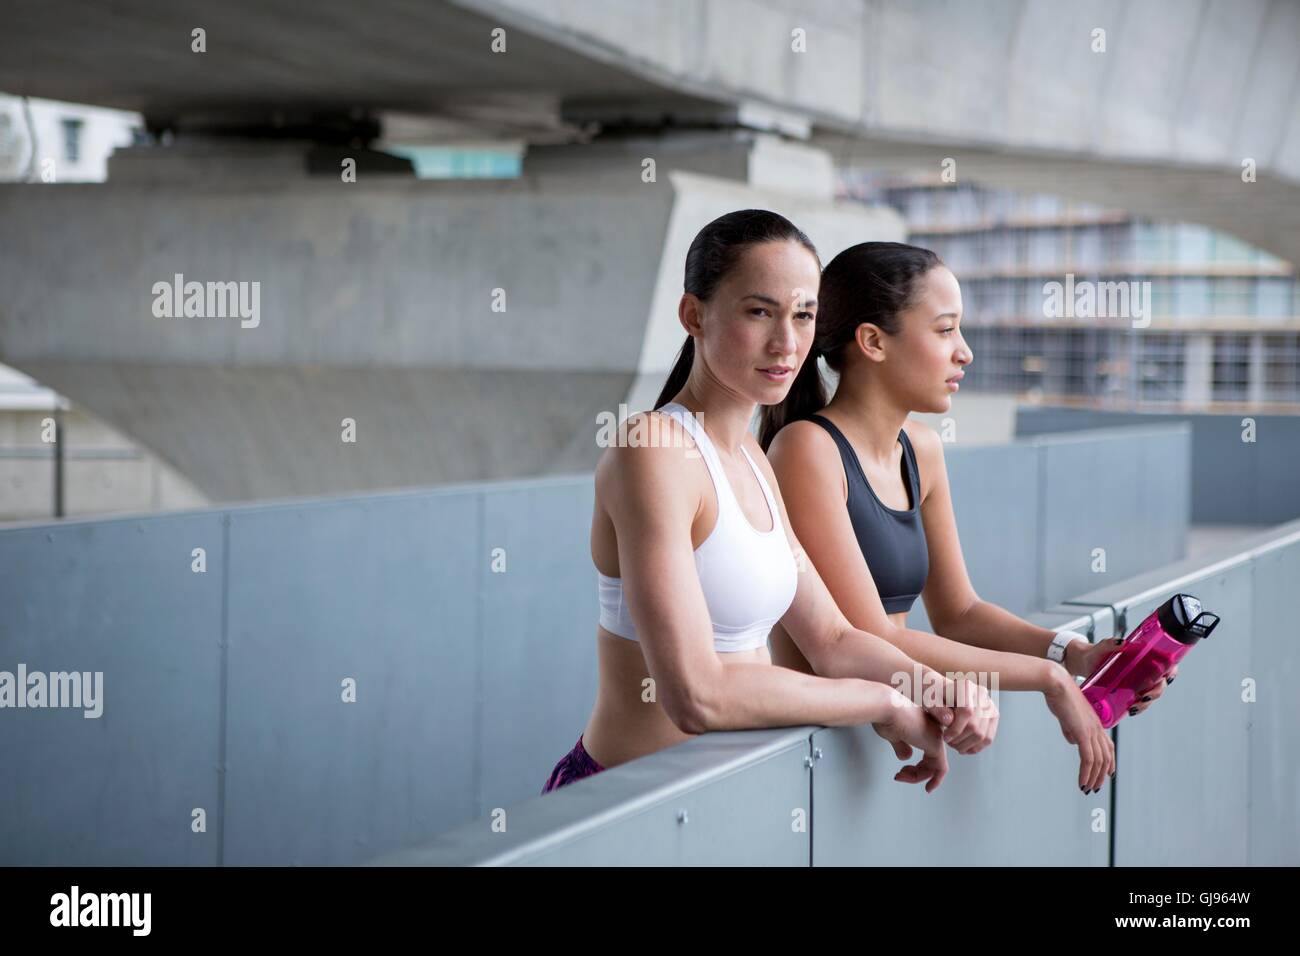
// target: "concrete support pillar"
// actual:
[[470, 330]]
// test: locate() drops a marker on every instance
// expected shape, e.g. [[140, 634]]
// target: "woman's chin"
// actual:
[[773, 394]]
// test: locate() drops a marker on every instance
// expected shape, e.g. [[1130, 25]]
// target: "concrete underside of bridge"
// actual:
[[1264, 212], [380, 298], [248, 433], [470, 330]]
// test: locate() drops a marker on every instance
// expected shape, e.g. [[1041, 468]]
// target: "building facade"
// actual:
[[1068, 302], [53, 142]]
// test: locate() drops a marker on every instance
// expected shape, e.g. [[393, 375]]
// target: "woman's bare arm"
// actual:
[[835, 648], [809, 469], [645, 491], [950, 599]]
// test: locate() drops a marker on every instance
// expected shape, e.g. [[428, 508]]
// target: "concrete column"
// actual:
[[470, 330]]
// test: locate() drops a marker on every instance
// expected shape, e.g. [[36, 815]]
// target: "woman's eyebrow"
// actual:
[[944, 315], [771, 301]]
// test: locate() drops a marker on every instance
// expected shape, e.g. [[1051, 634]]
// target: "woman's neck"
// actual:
[[724, 417], [874, 417]]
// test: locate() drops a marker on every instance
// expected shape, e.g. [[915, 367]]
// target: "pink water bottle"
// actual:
[[1147, 655]]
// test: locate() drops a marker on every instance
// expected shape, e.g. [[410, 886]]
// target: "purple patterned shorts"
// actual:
[[574, 765]]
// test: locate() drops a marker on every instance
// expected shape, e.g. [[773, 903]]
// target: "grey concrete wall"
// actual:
[[1206, 777], [117, 597], [1043, 518], [223, 689], [1234, 481], [376, 305], [1172, 82], [1158, 124], [474, 668], [1016, 804], [723, 799], [1211, 776], [103, 471], [1175, 84]]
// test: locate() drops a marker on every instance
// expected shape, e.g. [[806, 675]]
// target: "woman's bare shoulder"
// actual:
[[644, 457], [803, 443], [923, 438], [929, 451], [800, 435]]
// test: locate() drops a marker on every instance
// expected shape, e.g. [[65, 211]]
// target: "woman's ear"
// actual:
[[871, 341], [688, 314]]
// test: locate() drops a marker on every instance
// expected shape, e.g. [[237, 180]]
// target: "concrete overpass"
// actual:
[[380, 298]]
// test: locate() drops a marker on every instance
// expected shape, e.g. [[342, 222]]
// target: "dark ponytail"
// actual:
[[807, 394], [681, 371], [870, 282], [713, 253]]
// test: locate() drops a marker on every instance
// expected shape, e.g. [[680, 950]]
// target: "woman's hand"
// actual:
[[974, 716], [1082, 727], [909, 726], [1086, 661], [1082, 658]]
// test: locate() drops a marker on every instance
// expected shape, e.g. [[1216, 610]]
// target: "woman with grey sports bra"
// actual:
[[695, 557], [894, 538], [867, 492]]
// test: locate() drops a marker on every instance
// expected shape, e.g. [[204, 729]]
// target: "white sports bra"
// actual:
[[748, 576]]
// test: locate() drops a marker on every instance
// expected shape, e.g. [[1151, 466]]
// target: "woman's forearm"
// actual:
[[857, 653], [1014, 671], [745, 696], [997, 629]]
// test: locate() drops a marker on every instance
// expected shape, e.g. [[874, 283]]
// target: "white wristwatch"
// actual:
[[1056, 650]]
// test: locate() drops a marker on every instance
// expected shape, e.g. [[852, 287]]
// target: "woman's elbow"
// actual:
[[827, 657], [824, 652], [692, 710]]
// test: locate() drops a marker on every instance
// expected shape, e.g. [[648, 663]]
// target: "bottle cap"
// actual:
[[1183, 620]]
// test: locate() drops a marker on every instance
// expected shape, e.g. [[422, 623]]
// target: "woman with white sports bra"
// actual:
[[694, 553]]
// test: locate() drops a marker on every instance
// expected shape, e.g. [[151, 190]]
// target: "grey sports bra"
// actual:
[[892, 541]]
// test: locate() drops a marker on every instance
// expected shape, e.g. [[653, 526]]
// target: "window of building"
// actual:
[[1191, 296], [1231, 366], [1046, 249], [1282, 367], [1153, 243], [1087, 248], [1162, 295], [1231, 297], [1274, 297], [1159, 362], [72, 138], [1230, 250], [1194, 245]]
